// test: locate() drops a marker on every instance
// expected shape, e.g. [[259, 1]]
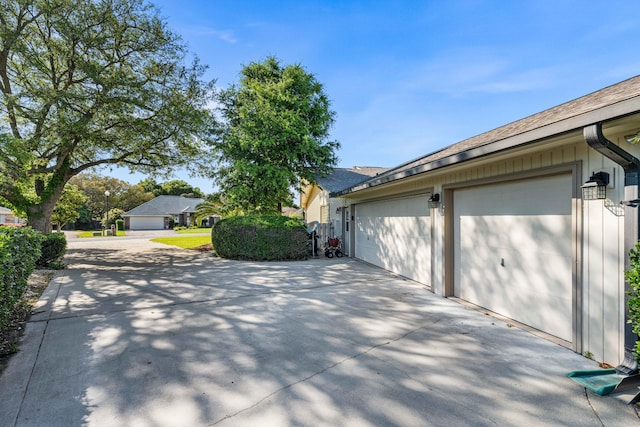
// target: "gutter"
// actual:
[[493, 146], [594, 137]]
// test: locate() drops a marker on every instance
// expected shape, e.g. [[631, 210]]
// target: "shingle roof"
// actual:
[[342, 178], [5, 211], [165, 205], [575, 114]]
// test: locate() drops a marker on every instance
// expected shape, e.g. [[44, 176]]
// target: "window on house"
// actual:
[[324, 214]]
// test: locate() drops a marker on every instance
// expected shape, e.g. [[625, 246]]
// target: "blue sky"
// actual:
[[409, 77]]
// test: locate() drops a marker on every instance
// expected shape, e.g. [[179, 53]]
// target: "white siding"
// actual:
[[513, 251], [599, 239]]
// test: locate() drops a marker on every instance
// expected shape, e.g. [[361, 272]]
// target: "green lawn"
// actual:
[[90, 233], [186, 242], [194, 231]]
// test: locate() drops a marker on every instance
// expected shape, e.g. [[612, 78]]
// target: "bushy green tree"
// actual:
[[114, 215], [176, 187], [274, 135], [86, 83], [68, 207], [121, 194]]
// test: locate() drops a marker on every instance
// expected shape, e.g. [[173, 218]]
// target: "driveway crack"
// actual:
[[586, 395]]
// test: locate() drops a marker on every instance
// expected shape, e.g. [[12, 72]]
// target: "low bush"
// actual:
[[633, 299], [260, 238], [120, 224], [19, 251], [54, 246]]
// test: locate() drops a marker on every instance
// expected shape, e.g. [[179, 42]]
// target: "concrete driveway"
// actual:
[[140, 334]]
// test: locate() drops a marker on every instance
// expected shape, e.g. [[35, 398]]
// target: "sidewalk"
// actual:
[[136, 333]]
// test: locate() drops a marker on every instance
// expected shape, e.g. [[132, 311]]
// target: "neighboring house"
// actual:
[[8, 218], [330, 212], [157, 214], [499, 220]]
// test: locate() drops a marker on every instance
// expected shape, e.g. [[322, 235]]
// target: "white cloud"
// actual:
[[224, 35], [465, 72]]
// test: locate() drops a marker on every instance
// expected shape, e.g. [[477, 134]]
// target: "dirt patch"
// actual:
[[10, 336], [204, 248]]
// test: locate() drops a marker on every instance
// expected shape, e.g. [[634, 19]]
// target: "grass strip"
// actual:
[[194, 231], [185, 242]]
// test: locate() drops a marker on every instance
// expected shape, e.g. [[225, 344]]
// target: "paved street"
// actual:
[[135, 333]]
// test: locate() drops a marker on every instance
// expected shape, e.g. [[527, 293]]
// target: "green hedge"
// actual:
[[260, 238], [20, 248], [120, 224], [53, 248], [633, 300]]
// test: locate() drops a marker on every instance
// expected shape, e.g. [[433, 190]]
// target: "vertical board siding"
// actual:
[[600, 245]]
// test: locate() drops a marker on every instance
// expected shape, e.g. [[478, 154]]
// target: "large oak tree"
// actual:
[[274, 136], [86, 83]]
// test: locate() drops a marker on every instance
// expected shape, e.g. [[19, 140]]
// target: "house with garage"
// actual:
[[7, 217], [532, 221], [161, 213], [325, 211]]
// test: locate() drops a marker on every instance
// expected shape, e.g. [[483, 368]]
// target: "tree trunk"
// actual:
[[39, 216]]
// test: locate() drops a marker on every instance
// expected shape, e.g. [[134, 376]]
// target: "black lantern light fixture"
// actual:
[[434, 200], [596, 187]]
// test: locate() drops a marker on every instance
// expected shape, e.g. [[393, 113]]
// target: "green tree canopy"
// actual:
[[122, 195], [68, 207], [274, 135], [85, 83], [176, 187]]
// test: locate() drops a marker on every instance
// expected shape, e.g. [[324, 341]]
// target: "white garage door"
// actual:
[[146, 223], [396, 235], [513, 251]]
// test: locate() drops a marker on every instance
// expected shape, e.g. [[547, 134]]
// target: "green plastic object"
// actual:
[[600, 381]]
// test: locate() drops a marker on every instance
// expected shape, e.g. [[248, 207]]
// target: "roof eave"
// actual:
[[608, 113]]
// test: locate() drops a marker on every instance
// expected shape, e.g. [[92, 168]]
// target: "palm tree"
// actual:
[[212, 206]]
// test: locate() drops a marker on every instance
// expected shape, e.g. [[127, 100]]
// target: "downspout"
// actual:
[[594, 137]]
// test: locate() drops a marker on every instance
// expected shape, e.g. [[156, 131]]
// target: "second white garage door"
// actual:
[[513, 251], [395, 234]]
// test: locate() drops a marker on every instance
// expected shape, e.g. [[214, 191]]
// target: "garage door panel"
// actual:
[[396, 235], [146, 223], [513, 251]]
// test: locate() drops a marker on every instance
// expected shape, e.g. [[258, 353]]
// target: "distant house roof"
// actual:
[[342, 178], [166, 205], [5, 211], [613, 101]]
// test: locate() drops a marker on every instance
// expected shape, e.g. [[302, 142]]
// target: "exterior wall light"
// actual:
[[434, 200], [596, 187], [633, 139]]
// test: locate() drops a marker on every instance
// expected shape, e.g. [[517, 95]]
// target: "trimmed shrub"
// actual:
[[120, 224], [19, 250], [260, 238], [633, 300], [53, 249]]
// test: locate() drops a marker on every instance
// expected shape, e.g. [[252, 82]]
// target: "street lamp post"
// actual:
[[106, 225]]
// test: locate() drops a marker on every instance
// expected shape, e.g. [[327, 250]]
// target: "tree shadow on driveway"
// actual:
[[164, 337]]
